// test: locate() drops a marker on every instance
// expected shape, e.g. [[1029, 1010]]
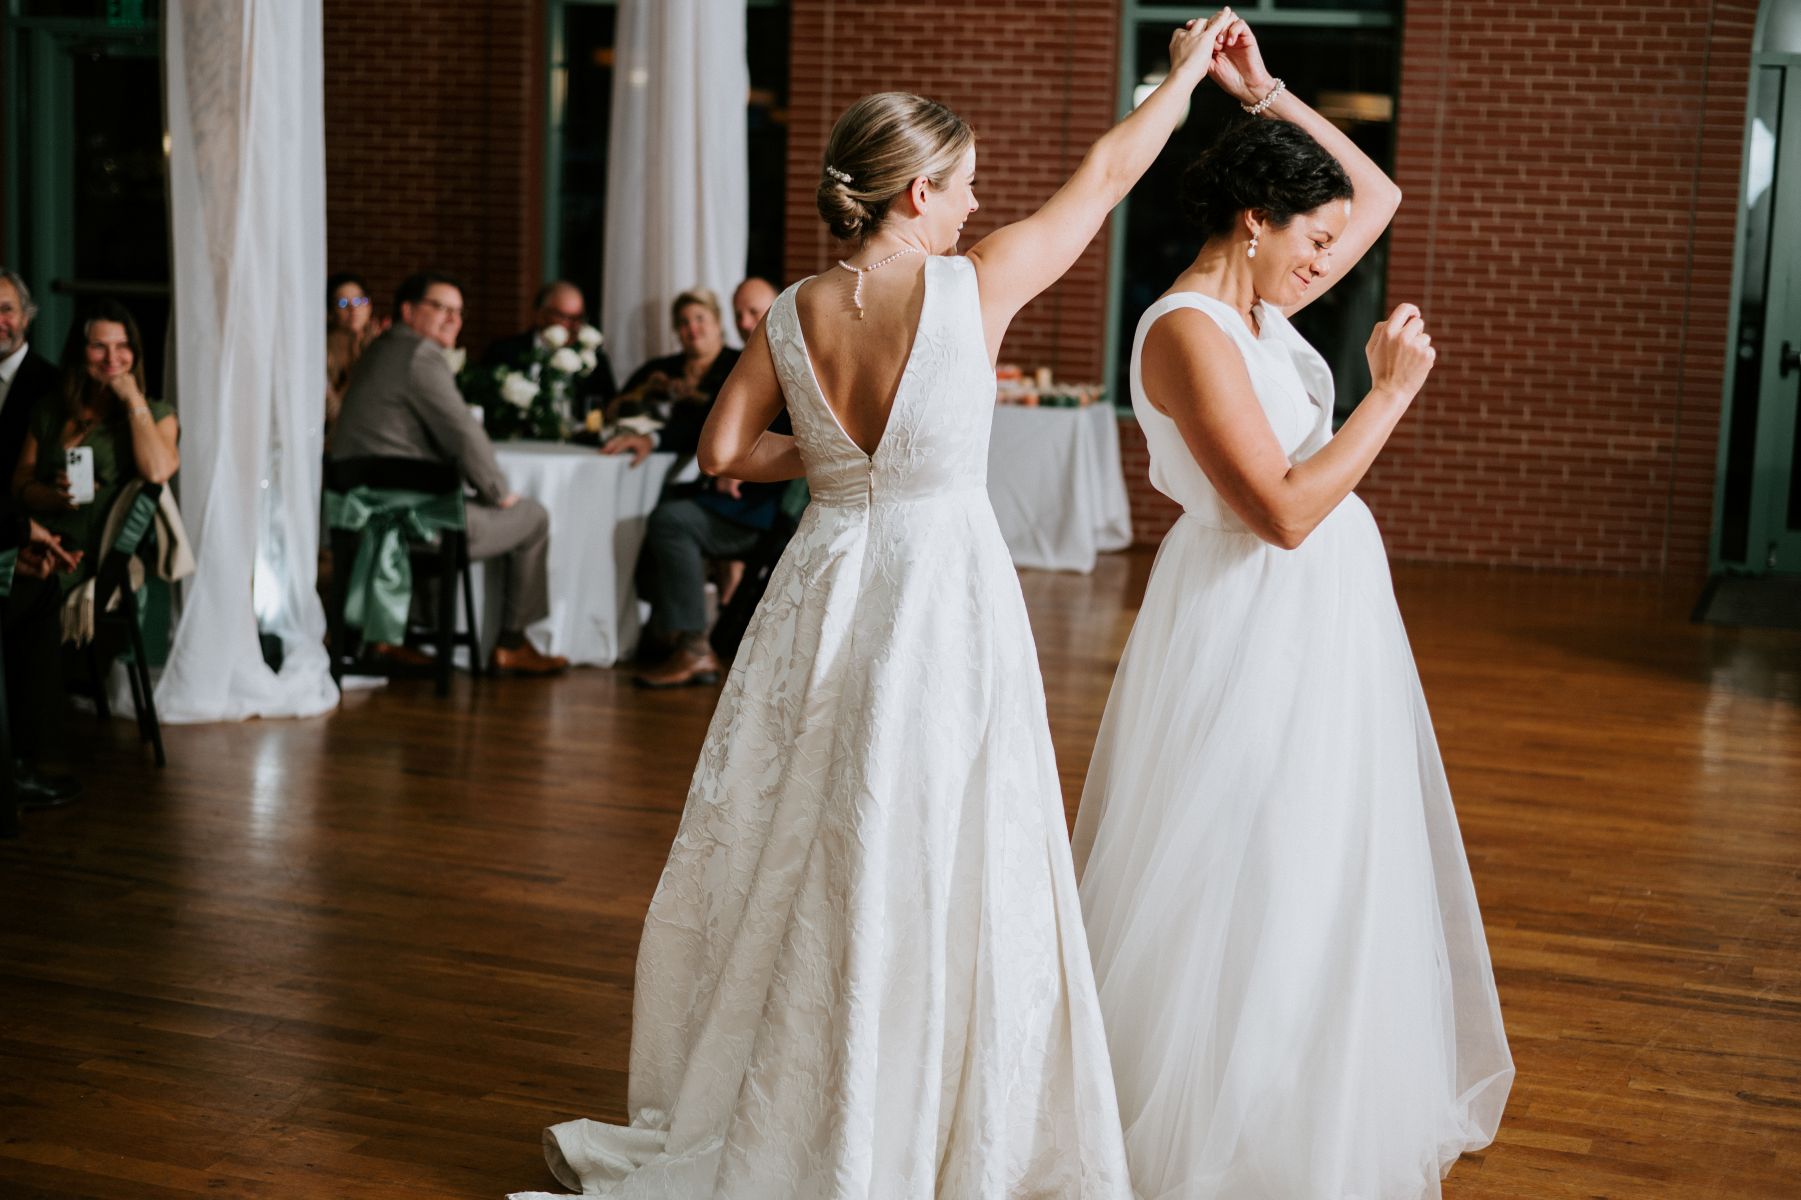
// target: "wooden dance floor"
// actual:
[[371, 955]]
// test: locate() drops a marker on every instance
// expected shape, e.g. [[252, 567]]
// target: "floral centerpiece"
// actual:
[[533, 399]]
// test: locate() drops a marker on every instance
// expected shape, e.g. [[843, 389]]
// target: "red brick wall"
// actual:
[[433, 148], [1035, 78], [1571, 173]]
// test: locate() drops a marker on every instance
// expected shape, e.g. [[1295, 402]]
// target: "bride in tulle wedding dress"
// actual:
[[1291, 964], [863, 975]]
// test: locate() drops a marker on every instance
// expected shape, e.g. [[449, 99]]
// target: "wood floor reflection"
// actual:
[[371, 955]]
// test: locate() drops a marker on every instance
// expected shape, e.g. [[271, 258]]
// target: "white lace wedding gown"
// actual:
[[1292, 967], [863, 974]]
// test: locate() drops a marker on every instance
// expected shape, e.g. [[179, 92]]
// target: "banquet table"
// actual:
[[1058, 489], [598, 507]]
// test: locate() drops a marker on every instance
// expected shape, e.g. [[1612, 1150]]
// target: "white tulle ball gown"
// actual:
[[863, 975], [1292, 967]]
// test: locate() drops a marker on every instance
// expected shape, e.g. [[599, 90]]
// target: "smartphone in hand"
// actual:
[[81, 474]]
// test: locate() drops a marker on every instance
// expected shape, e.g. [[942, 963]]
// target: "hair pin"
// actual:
[[835, 173]]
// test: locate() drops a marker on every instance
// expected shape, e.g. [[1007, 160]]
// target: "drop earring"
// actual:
[[1251, 250]]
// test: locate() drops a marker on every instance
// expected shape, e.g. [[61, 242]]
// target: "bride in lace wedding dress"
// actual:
[[864, 975]]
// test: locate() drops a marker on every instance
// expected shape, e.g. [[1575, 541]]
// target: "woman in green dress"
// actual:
[[102, 406]]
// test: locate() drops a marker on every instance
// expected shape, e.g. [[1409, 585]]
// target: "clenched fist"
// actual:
[[1400, 353]]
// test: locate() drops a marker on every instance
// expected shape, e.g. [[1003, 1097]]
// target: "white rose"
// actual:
[[517, 390], [566, 360], [589, 337], [590, 360], [456, 356], [555, 336]]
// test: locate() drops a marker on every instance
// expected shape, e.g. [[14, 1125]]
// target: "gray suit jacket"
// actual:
[[402, 402]]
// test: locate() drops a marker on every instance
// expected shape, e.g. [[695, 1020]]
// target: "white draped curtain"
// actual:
[[245, 95], [678, 167]]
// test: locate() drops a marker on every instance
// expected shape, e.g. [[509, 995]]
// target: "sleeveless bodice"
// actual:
[[1293, 386], [936, 442]]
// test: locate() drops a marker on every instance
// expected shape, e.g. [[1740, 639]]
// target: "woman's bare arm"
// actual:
[[1194, 374], [735, 443], [1238, 69], [1018, 261]]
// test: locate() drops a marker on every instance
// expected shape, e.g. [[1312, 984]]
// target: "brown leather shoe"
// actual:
[[525, 660], [393, 655], [687, 667]]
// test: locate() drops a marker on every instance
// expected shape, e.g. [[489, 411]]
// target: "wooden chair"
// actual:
[[137, 537]]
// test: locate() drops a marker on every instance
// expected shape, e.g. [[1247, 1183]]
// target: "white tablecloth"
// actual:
[[1058, 490], [598, 506]]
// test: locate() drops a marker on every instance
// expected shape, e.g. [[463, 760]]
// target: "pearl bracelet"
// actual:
[[1257, 108]]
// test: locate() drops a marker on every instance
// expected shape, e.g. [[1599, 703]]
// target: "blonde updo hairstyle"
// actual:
[[883, 143]]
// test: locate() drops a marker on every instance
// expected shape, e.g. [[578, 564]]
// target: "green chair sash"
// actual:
[[381, 580], [135, 525]]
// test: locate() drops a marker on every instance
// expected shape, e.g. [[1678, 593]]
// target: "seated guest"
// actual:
[[557, 304], [102, 408], [749, 303], [719, 519], [403, 403], [349, 328], [30, 614], [26, 377], [31, 627], [691, 377]]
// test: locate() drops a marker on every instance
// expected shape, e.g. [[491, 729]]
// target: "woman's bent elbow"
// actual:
[[1283, 532], [711, 462]]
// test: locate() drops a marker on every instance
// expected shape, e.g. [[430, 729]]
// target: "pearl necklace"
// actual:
[[859, 272]]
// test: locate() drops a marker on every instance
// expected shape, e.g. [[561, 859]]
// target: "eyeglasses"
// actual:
[[449, 310], [352, 301]]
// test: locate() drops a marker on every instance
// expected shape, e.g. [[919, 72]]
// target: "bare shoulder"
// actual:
[[1186, 335], [1187, 355]]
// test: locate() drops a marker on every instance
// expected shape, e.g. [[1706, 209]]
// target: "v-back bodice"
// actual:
[[1293, 386], [936, 441]]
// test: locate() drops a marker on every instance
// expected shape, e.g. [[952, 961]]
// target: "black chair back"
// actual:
[[401, 474], [113, 578]]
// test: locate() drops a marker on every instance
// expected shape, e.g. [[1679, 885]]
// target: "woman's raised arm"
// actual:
[[1018, 261], [1238, 69]]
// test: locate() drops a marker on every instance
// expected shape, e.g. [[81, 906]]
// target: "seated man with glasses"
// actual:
[[403, 402], [557, 305]]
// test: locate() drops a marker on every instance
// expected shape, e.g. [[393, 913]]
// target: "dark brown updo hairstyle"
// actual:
[[878, 148], [1273, 167]]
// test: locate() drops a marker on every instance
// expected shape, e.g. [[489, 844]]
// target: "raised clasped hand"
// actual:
[[1237, 64], [1193, 47]]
